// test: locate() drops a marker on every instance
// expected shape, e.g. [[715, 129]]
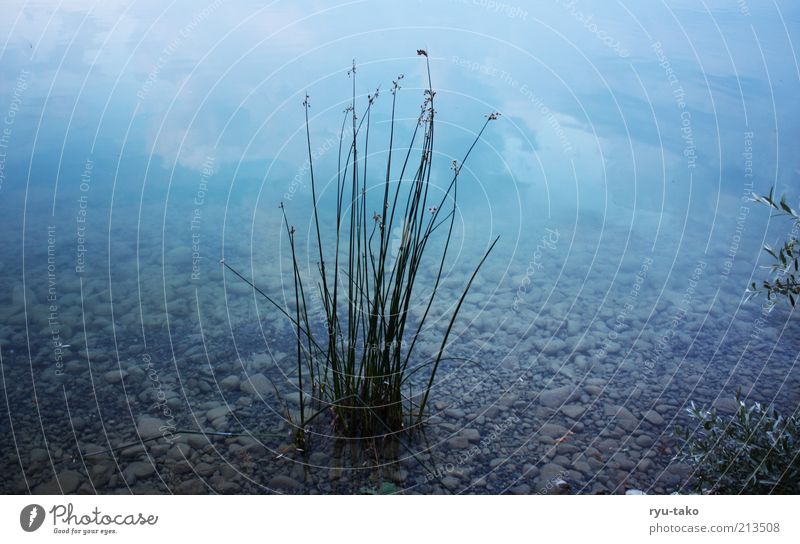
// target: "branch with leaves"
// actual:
[[755, 451], [783, 271]]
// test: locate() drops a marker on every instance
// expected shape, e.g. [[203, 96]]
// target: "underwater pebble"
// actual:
[[458, 443], [138, 469], [150, 427], [197, 441], [554, 398], [283, 483], [229, 488], [179, 451], [231, 383], [582, 466], [549, 473], [115, 376], [220, 424], [191, 487], [573, 410], [38, 455], [205, 469], [726, 405], [69, 480], [450, 482], [554, 346], [455, 413], [593, 390], [553, 430], [653, 417], [257, 385], [218, 412]]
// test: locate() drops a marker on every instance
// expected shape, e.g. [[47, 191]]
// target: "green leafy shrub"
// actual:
[[783, 271], [755, 451]]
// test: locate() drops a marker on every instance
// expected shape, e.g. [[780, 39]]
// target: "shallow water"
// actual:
[[143, 144]]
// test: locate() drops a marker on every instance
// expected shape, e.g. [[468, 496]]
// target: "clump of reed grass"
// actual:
[[359, 366]]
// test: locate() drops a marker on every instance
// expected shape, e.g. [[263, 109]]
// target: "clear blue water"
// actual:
[[142, 142]]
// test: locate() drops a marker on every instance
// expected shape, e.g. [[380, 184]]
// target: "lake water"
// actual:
[[143, 142]]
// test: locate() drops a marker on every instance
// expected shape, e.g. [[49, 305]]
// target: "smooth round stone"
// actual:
[[450, 482], [179, 451], [115, 376], [553, 398], [220, 423], [231, 383], [494, 463], [205, 469], [139, 469], [38, 455], [69, 481], [549, 474], [257, 385], [582, 466], [283, 483], [458, 443], [573, 410], [150, 427], [218, 412], [654, 417]]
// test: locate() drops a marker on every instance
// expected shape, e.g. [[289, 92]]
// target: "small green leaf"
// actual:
[[785, 206]]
